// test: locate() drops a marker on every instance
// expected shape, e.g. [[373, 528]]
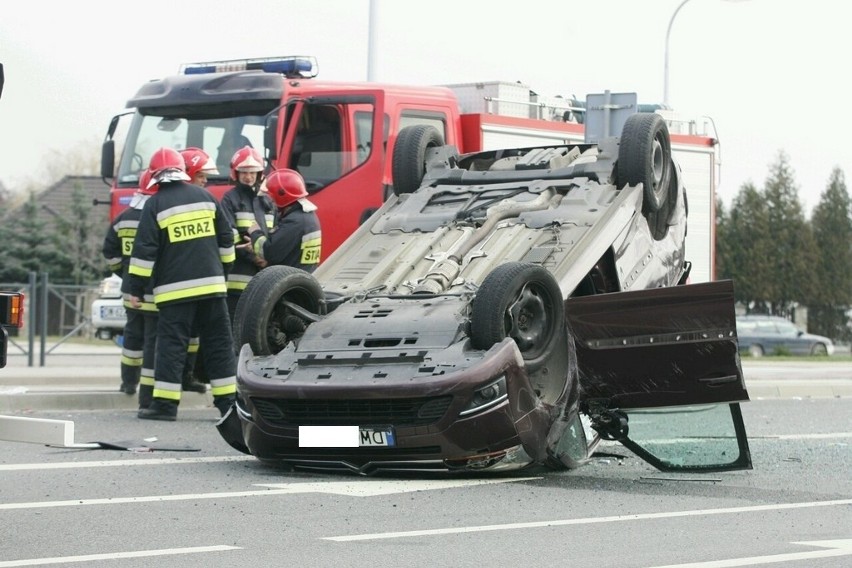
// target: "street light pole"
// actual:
[[372, 36], [666, 64]]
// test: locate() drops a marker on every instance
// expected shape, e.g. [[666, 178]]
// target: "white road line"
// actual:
[[115, 555], [836, 548], [588, 521], [365, 488], [828, 436], [120, 463]]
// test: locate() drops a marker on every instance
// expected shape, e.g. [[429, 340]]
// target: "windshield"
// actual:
[[219, 137]]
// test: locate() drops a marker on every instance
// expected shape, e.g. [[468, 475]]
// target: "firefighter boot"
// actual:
[[190, 384], [129, 379], [159, 409], [146, 394], [223, 403]]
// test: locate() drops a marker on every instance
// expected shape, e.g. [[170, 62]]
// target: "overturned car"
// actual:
[[502, 310]]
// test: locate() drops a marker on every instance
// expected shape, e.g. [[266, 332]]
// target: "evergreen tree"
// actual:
[[793, 247], [82, 257], [832, 228], [744, 249], [35, 249]]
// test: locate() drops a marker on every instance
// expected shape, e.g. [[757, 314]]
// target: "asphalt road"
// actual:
[[214, 506]]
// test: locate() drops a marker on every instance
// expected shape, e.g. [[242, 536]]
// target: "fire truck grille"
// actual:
[[397, 412]]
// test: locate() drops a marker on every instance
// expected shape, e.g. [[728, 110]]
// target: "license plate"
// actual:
[[376, 437], [113, 313], [346, 436]]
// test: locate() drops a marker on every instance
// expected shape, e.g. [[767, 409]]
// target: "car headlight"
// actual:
[[485, 397]]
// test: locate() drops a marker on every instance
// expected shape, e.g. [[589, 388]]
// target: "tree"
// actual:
[[832, 228], [744, 249], [82, 255], [792, 241], [29, 246]]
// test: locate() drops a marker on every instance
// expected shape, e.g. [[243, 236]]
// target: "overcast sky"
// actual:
[[772, 74]]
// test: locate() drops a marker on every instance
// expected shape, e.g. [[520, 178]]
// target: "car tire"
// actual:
[[268, 316], [819, 350], [658, 221], [409, 156], [522, 301], [645, 156], [755, 350]]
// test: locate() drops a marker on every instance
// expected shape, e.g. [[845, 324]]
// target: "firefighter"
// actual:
[[244, 205], [141, 320], [296, 239], [198, 166], [184, 246]]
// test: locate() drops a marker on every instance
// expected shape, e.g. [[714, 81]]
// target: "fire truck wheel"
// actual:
[[276, 308], [645, 156], [409, 156], [522, 301]]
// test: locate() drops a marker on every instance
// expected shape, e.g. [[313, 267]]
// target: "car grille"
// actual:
[[397, 411]]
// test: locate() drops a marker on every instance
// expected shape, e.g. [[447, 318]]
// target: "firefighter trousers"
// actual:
[[175, 326], [132, 349]]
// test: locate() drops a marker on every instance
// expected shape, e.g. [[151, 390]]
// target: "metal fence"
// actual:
[[50, 310]]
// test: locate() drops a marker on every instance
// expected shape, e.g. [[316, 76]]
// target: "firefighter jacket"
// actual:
[[243, 207], [296, 240], [118, 244], [184, 245]]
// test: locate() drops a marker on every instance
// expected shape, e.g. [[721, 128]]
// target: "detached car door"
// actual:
[[660, 373]]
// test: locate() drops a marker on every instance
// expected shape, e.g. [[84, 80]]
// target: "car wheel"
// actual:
[[755, 350], [658, 221], [276, 307], [522, 301], [819, 350], [409, 156], [645, 156]]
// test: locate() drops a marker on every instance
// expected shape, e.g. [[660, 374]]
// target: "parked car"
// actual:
[[502, 310], [108, 315], [761, 335]]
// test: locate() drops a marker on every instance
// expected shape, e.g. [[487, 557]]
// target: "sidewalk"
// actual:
[[86, 377], [75, 377]]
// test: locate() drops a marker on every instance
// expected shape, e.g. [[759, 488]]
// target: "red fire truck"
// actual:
[[341, 136]]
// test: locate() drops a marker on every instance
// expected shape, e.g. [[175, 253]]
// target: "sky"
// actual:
[[771, 74]]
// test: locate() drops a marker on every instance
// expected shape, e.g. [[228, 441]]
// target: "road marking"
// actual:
[[837, 548], [828, 436], [364, 488], [120, 463], [115, 555], [588, 520]]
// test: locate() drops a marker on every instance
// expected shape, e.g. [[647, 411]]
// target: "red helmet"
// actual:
[[246, 159], [197, 160], [167, 165], [145, 185], [285, 187]]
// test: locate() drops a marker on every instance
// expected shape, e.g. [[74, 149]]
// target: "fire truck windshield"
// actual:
[[219, 137]]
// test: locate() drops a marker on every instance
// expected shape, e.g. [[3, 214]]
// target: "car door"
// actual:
[[790, 339], [660, 372]]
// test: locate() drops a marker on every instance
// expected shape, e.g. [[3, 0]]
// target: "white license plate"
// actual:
[[345, 437], [113, 313], [376, 437]]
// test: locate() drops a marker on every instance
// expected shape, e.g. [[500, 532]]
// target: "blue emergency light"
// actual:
[[304, 66]]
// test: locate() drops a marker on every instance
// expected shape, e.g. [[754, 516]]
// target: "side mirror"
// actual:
[[108, 159]]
